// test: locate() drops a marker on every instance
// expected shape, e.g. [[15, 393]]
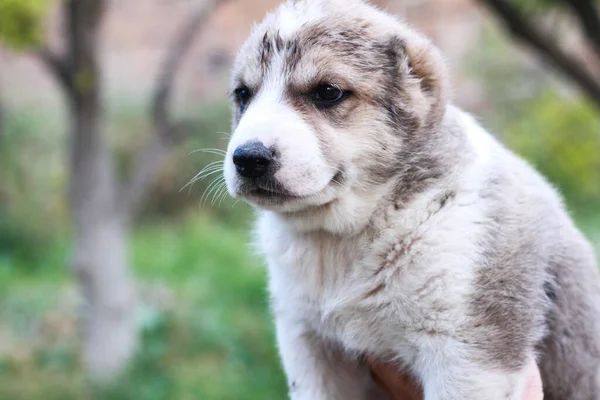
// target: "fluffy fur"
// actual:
[[396, 228]]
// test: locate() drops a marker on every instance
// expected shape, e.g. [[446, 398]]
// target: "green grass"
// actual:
[[207, 333]]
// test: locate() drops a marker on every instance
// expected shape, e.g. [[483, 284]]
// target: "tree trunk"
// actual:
[[2, 121], [100, 258], [102, 210], [108, 313]]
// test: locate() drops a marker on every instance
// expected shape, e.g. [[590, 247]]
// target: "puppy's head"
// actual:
[[330, 97]]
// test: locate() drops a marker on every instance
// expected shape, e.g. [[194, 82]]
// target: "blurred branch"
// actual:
[[58, 66], [83, 19], [167, 132], [526, 31], [587, 13], [172, 62]]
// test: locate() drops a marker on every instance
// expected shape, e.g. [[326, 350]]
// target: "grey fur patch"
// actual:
[[570, 353], [509, 301]]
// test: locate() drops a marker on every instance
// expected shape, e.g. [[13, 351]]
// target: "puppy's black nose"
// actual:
[[252, 160]]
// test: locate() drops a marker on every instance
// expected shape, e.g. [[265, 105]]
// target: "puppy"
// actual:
[[395, 227]]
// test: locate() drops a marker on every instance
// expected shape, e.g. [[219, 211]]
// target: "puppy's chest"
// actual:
[[313, 272], [369, 297]]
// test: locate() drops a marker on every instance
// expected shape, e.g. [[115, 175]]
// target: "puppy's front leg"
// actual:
[[316, 370], [450, 372]]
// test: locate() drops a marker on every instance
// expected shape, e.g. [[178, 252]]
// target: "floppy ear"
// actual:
[[426, 81]]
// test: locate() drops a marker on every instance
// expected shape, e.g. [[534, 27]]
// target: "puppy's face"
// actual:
[[327, 96]]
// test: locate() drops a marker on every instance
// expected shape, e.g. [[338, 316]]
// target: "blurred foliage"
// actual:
[[538, 5], [208, 125], [508, 77], [561, 138], [34, 173], [21, 22], [207, 330], [32, 204], [209, 129]]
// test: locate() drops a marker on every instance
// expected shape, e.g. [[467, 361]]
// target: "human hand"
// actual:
[[534, 384], [401, 386]]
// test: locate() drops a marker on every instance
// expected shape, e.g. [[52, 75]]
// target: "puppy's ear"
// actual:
[[425, 79]]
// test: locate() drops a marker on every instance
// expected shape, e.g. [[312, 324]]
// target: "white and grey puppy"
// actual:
[[394, 226]]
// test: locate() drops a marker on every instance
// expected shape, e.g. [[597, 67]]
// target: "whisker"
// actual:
[[215, 164], [217, 192], [210, 149], [219, 197], [215, 182], [206, 175], [214, 191], [205, 172], [224, 195], [209, 168], [210, 185], [218, 152]]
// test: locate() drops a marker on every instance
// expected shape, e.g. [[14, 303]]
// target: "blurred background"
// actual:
[[117, 284]]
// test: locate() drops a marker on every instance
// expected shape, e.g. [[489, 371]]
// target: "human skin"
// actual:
[[400, 386]]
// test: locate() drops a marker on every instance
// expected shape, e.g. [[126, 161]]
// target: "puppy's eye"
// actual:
[[328, 95], [243, 95]]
